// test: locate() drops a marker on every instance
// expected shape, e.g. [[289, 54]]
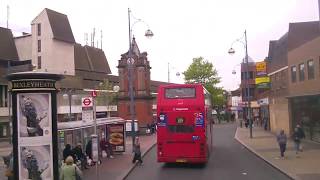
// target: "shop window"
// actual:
[[301, 72], [293, 74], [310, 69], [251, 74]]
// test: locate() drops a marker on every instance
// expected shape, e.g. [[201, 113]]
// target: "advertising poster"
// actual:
[[116, 133], [34, 125], [35, 162], [34, 115]]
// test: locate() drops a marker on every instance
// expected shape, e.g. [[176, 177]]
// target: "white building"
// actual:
[[51, 47]]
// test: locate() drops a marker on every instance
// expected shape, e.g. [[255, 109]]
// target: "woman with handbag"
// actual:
[[69, 171]]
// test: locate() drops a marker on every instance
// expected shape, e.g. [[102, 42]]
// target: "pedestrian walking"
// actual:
[[80, 156], [137, 152], [106, 147], [68, 152], [265, 123], [282, 141], [89, 151], [69, 171], [297, 136], [8, 161]]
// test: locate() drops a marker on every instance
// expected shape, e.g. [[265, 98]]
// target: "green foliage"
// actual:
[[217, 95], [106, 96], [202, 71]]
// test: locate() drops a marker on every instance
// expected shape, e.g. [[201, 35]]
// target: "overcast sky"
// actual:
[[182, 29]]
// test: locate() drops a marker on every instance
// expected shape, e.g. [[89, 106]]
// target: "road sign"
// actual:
[[94, 93], [87, 102], [87, 109]]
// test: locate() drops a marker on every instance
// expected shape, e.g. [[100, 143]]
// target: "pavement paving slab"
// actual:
[[305, 166], [120, 166], [114, 169]]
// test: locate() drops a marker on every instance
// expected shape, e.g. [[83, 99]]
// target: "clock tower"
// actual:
[[141, 87]]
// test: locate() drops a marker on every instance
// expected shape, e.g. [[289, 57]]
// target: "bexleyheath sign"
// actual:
[[33, 84]]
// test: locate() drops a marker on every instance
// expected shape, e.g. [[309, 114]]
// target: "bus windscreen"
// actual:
[[177, 93]]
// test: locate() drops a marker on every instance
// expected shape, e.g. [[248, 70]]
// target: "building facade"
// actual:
[[277, 67], [8, 53], [304, 87], [293, 67], [51, 47], [143, 99], [248, 90]]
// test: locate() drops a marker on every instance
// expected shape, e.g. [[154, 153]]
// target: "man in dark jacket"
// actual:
[[68, 152], [89, 149], [80, 155], [297, 136], [282, 141]]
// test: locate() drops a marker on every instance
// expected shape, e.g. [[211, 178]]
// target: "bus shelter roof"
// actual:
[[73, 125]]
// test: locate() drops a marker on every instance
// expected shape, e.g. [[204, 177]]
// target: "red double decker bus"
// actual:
[[184, 132]]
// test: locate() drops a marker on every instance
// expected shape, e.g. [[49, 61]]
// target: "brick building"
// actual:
[[143, 99], [304, 79], [248, 75], [293, 67]]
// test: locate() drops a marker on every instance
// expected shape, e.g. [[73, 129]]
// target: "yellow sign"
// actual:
[[261, 66], [260, 80]]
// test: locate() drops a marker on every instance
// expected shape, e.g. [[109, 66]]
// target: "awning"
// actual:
[[305, 94]]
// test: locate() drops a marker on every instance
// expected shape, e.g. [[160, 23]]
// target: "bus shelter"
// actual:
[[75, 132]]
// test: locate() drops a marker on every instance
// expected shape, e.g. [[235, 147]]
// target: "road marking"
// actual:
[[244, 173]]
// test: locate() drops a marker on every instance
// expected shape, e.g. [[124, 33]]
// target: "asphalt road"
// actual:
[[229, 160]]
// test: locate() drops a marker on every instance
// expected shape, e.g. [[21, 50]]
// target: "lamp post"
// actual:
[[130, 63], [68, 94], [246, 76], [177, 73]]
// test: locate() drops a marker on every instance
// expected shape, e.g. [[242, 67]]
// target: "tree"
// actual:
[[202, 71], [106, 95]]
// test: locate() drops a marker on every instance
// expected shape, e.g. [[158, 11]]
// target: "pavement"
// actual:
[[121, 165], [305, 166], [114, 169], [263, 144]]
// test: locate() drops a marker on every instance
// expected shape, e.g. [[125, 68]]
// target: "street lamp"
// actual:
[[130, 62], [234, 72], [177, 73], [69, 94], [247, 87]]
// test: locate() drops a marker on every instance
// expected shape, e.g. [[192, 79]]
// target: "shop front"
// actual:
[[305, 110], [264, 113]]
